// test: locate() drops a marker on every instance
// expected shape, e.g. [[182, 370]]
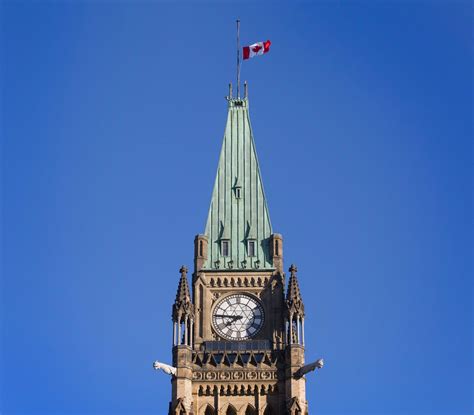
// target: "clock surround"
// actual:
[[238, 317]]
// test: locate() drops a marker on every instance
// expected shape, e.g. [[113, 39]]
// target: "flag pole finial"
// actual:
[[238, 59]]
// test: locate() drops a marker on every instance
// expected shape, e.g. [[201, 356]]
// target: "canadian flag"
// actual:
[[258, 48]]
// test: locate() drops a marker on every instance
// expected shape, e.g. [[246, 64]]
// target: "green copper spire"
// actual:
[[238, 225]]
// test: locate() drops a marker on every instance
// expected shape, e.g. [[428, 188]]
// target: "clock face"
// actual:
[[238, 317]]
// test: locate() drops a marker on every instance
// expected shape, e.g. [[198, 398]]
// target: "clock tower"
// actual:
[[238, 333]]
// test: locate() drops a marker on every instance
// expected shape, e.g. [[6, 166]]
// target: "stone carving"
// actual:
[[239, 282], [169, 370], [237, 389], [211, 375], [235, 375], [309, 368], [252, 375], [225, 376], [238, 375]]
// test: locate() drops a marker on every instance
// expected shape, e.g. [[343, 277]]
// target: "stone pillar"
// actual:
[[290, 334], [186, 331], [191, 333], [182, 381], [174, 333], [295, 387], [302, 331], [200, 308], [298, 330]]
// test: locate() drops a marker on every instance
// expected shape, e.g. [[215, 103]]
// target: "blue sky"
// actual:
[[112, 119]]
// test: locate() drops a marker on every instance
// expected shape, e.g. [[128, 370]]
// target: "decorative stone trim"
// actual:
[[234, 375], [237, 389], [244, 281]]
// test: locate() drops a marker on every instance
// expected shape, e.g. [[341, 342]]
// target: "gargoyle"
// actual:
[[309, 368], [169, 370]]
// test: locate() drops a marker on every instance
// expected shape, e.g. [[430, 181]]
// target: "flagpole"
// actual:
[[238, 59]]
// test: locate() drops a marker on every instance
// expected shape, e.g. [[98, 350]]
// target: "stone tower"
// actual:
[[239, 338]]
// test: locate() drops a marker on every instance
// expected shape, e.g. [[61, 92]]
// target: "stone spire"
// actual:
[[294, 301], [238, 228], [183, 305]]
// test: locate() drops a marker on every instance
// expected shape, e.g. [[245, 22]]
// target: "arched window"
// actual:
[[209, 410], [268, 411], [250, 410], [231, 410]]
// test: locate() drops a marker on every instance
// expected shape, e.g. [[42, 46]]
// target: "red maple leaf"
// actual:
[[256, 48]]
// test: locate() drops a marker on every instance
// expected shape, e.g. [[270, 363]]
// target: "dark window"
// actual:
[[238, 192], [251, 248], [225, 247], [268, 411], [250, 410], [221, 346], [209, 411]]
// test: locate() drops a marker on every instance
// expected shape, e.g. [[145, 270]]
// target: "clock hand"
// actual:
[[223, 316], [233, 317]]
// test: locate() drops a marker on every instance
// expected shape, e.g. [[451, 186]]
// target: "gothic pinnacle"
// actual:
[[183, 304], [183, 295], [294, 301]]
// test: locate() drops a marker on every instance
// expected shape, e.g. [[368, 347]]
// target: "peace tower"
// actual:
[[238, 335]]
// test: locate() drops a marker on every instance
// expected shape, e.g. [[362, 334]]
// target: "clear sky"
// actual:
[[112, 119]]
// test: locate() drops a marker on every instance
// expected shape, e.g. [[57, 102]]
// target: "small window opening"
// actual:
[[251, 248], [238, 191], [225, 248], [200, 248]]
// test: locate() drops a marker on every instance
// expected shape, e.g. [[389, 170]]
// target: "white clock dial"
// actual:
[[238, 317]]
